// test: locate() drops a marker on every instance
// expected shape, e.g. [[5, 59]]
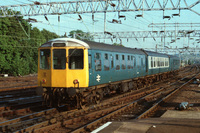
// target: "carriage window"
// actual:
[[158, 62], [123, 62], [112, 63], [117, 62], [59, 59], [152, 62], [117, 57], [138, 62], [98, 62], [142, 63], [162, 62], [75, 58], [106, 56], [166, 62], [106, 63], [134, 61], [45, 59], [129, 62]]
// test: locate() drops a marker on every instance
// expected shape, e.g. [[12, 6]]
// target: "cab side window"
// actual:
[[45, 60], [90, 60]]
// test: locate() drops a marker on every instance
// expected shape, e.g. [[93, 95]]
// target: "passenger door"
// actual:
[[97, 72], [77, 67], [91, 68], [59, 68]]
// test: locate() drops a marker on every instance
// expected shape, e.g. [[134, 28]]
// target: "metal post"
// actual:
[[104, 21]]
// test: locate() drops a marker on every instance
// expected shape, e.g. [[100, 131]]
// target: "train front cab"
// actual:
[[63, 65]]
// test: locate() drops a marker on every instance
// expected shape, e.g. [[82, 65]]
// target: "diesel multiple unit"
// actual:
[[79, 73]]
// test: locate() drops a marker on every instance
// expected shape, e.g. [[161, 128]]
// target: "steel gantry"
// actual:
[[143, 34], [163, 25], [96, 6]]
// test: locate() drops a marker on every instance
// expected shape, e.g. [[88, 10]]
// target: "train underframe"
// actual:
[[83, 97]]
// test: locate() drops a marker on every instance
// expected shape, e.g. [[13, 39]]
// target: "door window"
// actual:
[[59, 59], [97, 62]]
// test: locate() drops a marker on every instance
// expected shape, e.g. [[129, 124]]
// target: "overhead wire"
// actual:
[[134, 20], [85, 20]]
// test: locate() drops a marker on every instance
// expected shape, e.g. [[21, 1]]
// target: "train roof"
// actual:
[[151, 53], [102, 46], [113, 48], [92, 45]]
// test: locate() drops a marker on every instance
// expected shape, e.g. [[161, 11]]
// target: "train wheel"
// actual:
[[56, 99], [47, 100], [59, 104], [83, 105], [78, 102], [98, 98]]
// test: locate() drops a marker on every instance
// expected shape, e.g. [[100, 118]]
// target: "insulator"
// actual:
[[46, 18]]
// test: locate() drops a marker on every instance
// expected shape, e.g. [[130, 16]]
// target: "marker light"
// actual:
[[76, 81], [44, 81]]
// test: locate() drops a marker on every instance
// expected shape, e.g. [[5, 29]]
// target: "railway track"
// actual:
[[11, 83], [46, 118], [134, 108], [52, 119], [137, 105], [17, 102]]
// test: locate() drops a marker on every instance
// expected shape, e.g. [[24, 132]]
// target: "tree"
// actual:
[[49, 35], [79, 34], [18, 50]]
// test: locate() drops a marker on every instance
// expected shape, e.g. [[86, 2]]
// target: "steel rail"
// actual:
[[3, 125], [3, 89]]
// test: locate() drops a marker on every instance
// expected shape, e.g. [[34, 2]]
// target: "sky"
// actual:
[[69, 22]]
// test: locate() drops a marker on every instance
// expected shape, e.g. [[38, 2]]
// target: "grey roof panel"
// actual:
[[151, 53], [107, 47]]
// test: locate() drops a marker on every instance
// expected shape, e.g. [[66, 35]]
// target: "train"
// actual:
[[80, 73]]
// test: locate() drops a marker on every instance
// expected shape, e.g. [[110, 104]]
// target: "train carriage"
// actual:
[[157, 63], [114, 63], [174, 62]]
